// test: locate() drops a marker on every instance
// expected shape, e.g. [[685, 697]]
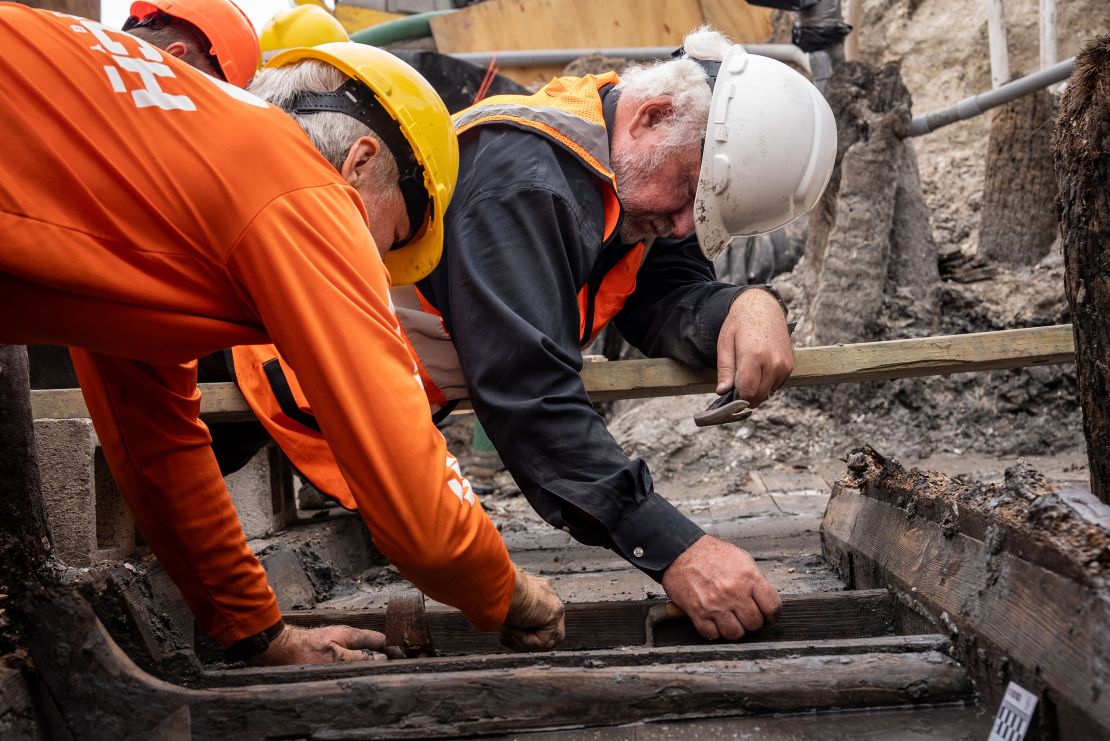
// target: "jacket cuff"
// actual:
[[712, 318], [653, 534]]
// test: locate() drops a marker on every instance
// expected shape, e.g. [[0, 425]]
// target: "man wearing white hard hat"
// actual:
[[559, 225]]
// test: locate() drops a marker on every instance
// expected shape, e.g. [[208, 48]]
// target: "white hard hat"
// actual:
[[770, 144]]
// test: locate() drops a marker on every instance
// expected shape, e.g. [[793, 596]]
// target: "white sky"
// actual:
[[114, 12]]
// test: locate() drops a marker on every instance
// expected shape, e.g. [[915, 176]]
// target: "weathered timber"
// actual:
[[24, 537], [24, 533], [611, 658], [1017, 225], [870, 259], [1015, 574], [594, 625], [1082, 146], [638, 379], [107, 696]]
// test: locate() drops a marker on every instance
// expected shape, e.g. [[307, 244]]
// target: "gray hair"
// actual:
[[684, 81], [332, 133]]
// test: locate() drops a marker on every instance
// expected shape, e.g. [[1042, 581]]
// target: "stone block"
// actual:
[[252, 493], [288, 579], [88, 518]]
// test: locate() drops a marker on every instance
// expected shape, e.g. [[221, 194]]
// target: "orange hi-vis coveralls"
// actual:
[[150, 214]]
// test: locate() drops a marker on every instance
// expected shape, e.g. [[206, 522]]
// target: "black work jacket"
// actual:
[[523, 232]]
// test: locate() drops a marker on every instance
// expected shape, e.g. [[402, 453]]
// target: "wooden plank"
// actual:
[[608, 658], [813, 366], [1010, 619], [596, 625], [499, 25], [107, 696], [738, 20], [477, 703]]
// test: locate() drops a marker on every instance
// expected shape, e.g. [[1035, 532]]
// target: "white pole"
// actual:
[[1048, 33], [853, 16], [996, 32]]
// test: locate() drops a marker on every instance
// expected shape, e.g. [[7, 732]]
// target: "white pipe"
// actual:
[[530, 57], [996, 33], [853, 16], [1048, 33], [976, 104]]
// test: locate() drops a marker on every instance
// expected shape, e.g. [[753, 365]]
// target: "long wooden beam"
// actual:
[[596, 625], [813, 366]]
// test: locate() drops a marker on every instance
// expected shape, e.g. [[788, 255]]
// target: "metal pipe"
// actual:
[[530, 57], [410, 27], [976, 104]]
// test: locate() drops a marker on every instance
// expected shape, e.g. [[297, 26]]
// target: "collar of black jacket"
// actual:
[[609, 97]]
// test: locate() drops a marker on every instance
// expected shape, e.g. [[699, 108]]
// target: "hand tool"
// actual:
[[661, 613], [406, 626], [726, 408]]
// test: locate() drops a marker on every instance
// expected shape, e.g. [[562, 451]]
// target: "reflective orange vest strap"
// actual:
[[274, 395], [617, 285], [569, 112]]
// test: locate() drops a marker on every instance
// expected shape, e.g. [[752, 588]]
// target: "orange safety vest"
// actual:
[[568, 112]]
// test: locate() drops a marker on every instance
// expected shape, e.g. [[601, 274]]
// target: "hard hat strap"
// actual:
[[355, 99]]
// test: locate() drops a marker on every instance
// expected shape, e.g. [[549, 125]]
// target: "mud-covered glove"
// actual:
[[535, 619]]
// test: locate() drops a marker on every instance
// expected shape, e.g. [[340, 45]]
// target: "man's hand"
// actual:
[[327, 645], [535, 619], [721, 589], [754, 354]]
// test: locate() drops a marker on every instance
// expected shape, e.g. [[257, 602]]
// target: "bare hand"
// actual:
[[326, 645], [535, 619], [754, 353], [721, 589]]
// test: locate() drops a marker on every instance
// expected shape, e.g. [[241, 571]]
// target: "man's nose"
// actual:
[[682, 223]]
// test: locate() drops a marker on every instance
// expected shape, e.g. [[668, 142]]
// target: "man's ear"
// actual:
[[649, 114], [359, 157], [177, 49]]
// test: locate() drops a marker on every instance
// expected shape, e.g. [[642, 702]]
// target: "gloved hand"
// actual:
[[535, 619], [326, 645]]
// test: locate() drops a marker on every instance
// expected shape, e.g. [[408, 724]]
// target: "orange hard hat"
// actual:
[[234, 41]]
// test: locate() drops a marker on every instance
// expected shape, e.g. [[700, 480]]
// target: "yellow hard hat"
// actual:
[[428, 155], [304, 25]]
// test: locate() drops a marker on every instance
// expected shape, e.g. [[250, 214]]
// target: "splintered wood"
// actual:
[[1014, 574]]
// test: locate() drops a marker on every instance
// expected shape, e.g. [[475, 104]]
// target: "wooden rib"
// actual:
[[596, 625], [813, 366], [901, 644], [77, 660], [1039, 620]]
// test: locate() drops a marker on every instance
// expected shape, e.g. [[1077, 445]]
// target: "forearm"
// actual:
[[517, 341], [322, 295], [147, 419], [678, 307]]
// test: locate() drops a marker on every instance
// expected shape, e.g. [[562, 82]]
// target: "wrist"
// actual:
[[766, 288], [251, 646]]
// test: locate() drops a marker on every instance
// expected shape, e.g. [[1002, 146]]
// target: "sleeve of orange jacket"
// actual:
[[310, 268], [148, 420]]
